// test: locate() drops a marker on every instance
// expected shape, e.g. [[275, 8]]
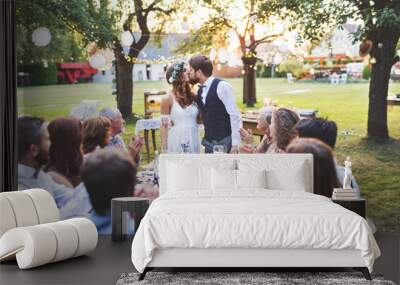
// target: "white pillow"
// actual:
[[183, 177], [280, 174], [293, 180], [223, 179], [251, 178]]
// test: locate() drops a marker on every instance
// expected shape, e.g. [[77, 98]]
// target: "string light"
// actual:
[[161, 60]]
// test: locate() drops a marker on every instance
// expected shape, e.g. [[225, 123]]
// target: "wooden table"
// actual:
[[136, 206], [148, 125], [252, 125], [393, 100]]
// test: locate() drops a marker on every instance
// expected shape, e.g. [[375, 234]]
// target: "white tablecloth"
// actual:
[[147, 124]]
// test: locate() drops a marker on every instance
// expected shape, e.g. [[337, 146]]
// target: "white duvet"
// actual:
[[250, 219]]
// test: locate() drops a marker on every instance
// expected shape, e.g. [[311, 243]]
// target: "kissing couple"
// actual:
[[214, 104]]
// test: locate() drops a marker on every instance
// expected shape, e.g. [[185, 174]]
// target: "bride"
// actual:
[[179, 130]]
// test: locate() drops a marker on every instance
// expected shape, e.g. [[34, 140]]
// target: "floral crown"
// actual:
[[176, 71]]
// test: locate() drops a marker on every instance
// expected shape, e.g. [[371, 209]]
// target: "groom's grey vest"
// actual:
[[217, 124]]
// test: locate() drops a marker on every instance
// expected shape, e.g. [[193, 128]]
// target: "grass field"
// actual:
[[375, 165]]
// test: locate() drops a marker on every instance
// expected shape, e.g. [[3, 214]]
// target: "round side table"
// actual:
[[121, 209]]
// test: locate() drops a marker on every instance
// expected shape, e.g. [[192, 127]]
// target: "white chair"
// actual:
[[334, 78], [86, 109], [343, 78], [290, 78], [31, 233]]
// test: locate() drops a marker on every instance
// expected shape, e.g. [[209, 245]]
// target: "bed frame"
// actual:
[[246, 258], [242, 259]]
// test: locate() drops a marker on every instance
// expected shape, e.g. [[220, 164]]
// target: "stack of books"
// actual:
[[344, 194]]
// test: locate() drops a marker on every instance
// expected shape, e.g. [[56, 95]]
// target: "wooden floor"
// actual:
[[110, 260]]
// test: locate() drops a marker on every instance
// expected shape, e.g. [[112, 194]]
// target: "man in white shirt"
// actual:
[[217, 104], [33, 154]]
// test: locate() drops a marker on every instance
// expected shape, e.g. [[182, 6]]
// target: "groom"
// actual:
[[216, 102]]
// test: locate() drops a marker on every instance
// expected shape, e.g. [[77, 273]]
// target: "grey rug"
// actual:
[[228, 278]]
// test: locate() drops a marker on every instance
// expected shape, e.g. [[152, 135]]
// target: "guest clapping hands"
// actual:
[[134, 148], [263, 122], [277, 135]]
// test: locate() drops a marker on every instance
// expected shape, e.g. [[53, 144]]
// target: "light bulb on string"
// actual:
[[41, 37], [97, 61], [126, 39]]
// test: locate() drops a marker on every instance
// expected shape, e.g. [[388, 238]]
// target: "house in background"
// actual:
[[340, 41], [156, 54]]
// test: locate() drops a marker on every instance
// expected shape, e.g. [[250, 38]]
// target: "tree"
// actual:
[[64, 44], [242, 20], [379, 34], [102, 22]]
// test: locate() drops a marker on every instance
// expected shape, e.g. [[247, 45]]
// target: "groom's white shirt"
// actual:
[[227, 96]]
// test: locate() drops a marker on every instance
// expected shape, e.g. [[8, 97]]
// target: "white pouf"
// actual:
[[31, 233]]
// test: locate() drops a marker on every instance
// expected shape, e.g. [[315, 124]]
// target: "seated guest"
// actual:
[[107, 174], [117, 127], [33, 154], [65, 150], [281, 133], [325, 131], [263, 122], [96, 133], [325, 178]]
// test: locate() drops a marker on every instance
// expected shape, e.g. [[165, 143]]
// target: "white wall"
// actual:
[[107, 77], [139, 74], [156, 72]]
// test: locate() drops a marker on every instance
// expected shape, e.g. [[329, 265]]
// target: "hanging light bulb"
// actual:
[[41, 37], [126, 39], [97, 61]]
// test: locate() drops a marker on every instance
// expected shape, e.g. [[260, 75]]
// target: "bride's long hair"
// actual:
[[180, 87]]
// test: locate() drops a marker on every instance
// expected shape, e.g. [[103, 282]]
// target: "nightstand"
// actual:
[[121, 209], [357, 205]]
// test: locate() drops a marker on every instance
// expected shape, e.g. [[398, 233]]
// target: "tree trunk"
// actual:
[[384, 48], [124, 71], [249, 81]]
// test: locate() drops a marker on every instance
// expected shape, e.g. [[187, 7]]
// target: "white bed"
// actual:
[[201, 219]]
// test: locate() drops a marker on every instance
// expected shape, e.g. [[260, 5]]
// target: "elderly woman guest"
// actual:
[[325, 178], [263, 122], [65, 153], [277, 135]]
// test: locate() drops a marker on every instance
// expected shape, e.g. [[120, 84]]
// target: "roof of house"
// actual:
[[164, 50]]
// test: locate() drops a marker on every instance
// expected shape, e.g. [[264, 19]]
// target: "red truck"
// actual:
[[74, 72]]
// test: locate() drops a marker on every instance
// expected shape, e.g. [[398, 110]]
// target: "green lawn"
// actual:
[[376, 166]]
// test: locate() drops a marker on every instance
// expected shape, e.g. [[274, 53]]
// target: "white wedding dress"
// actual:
[[183, 136]]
